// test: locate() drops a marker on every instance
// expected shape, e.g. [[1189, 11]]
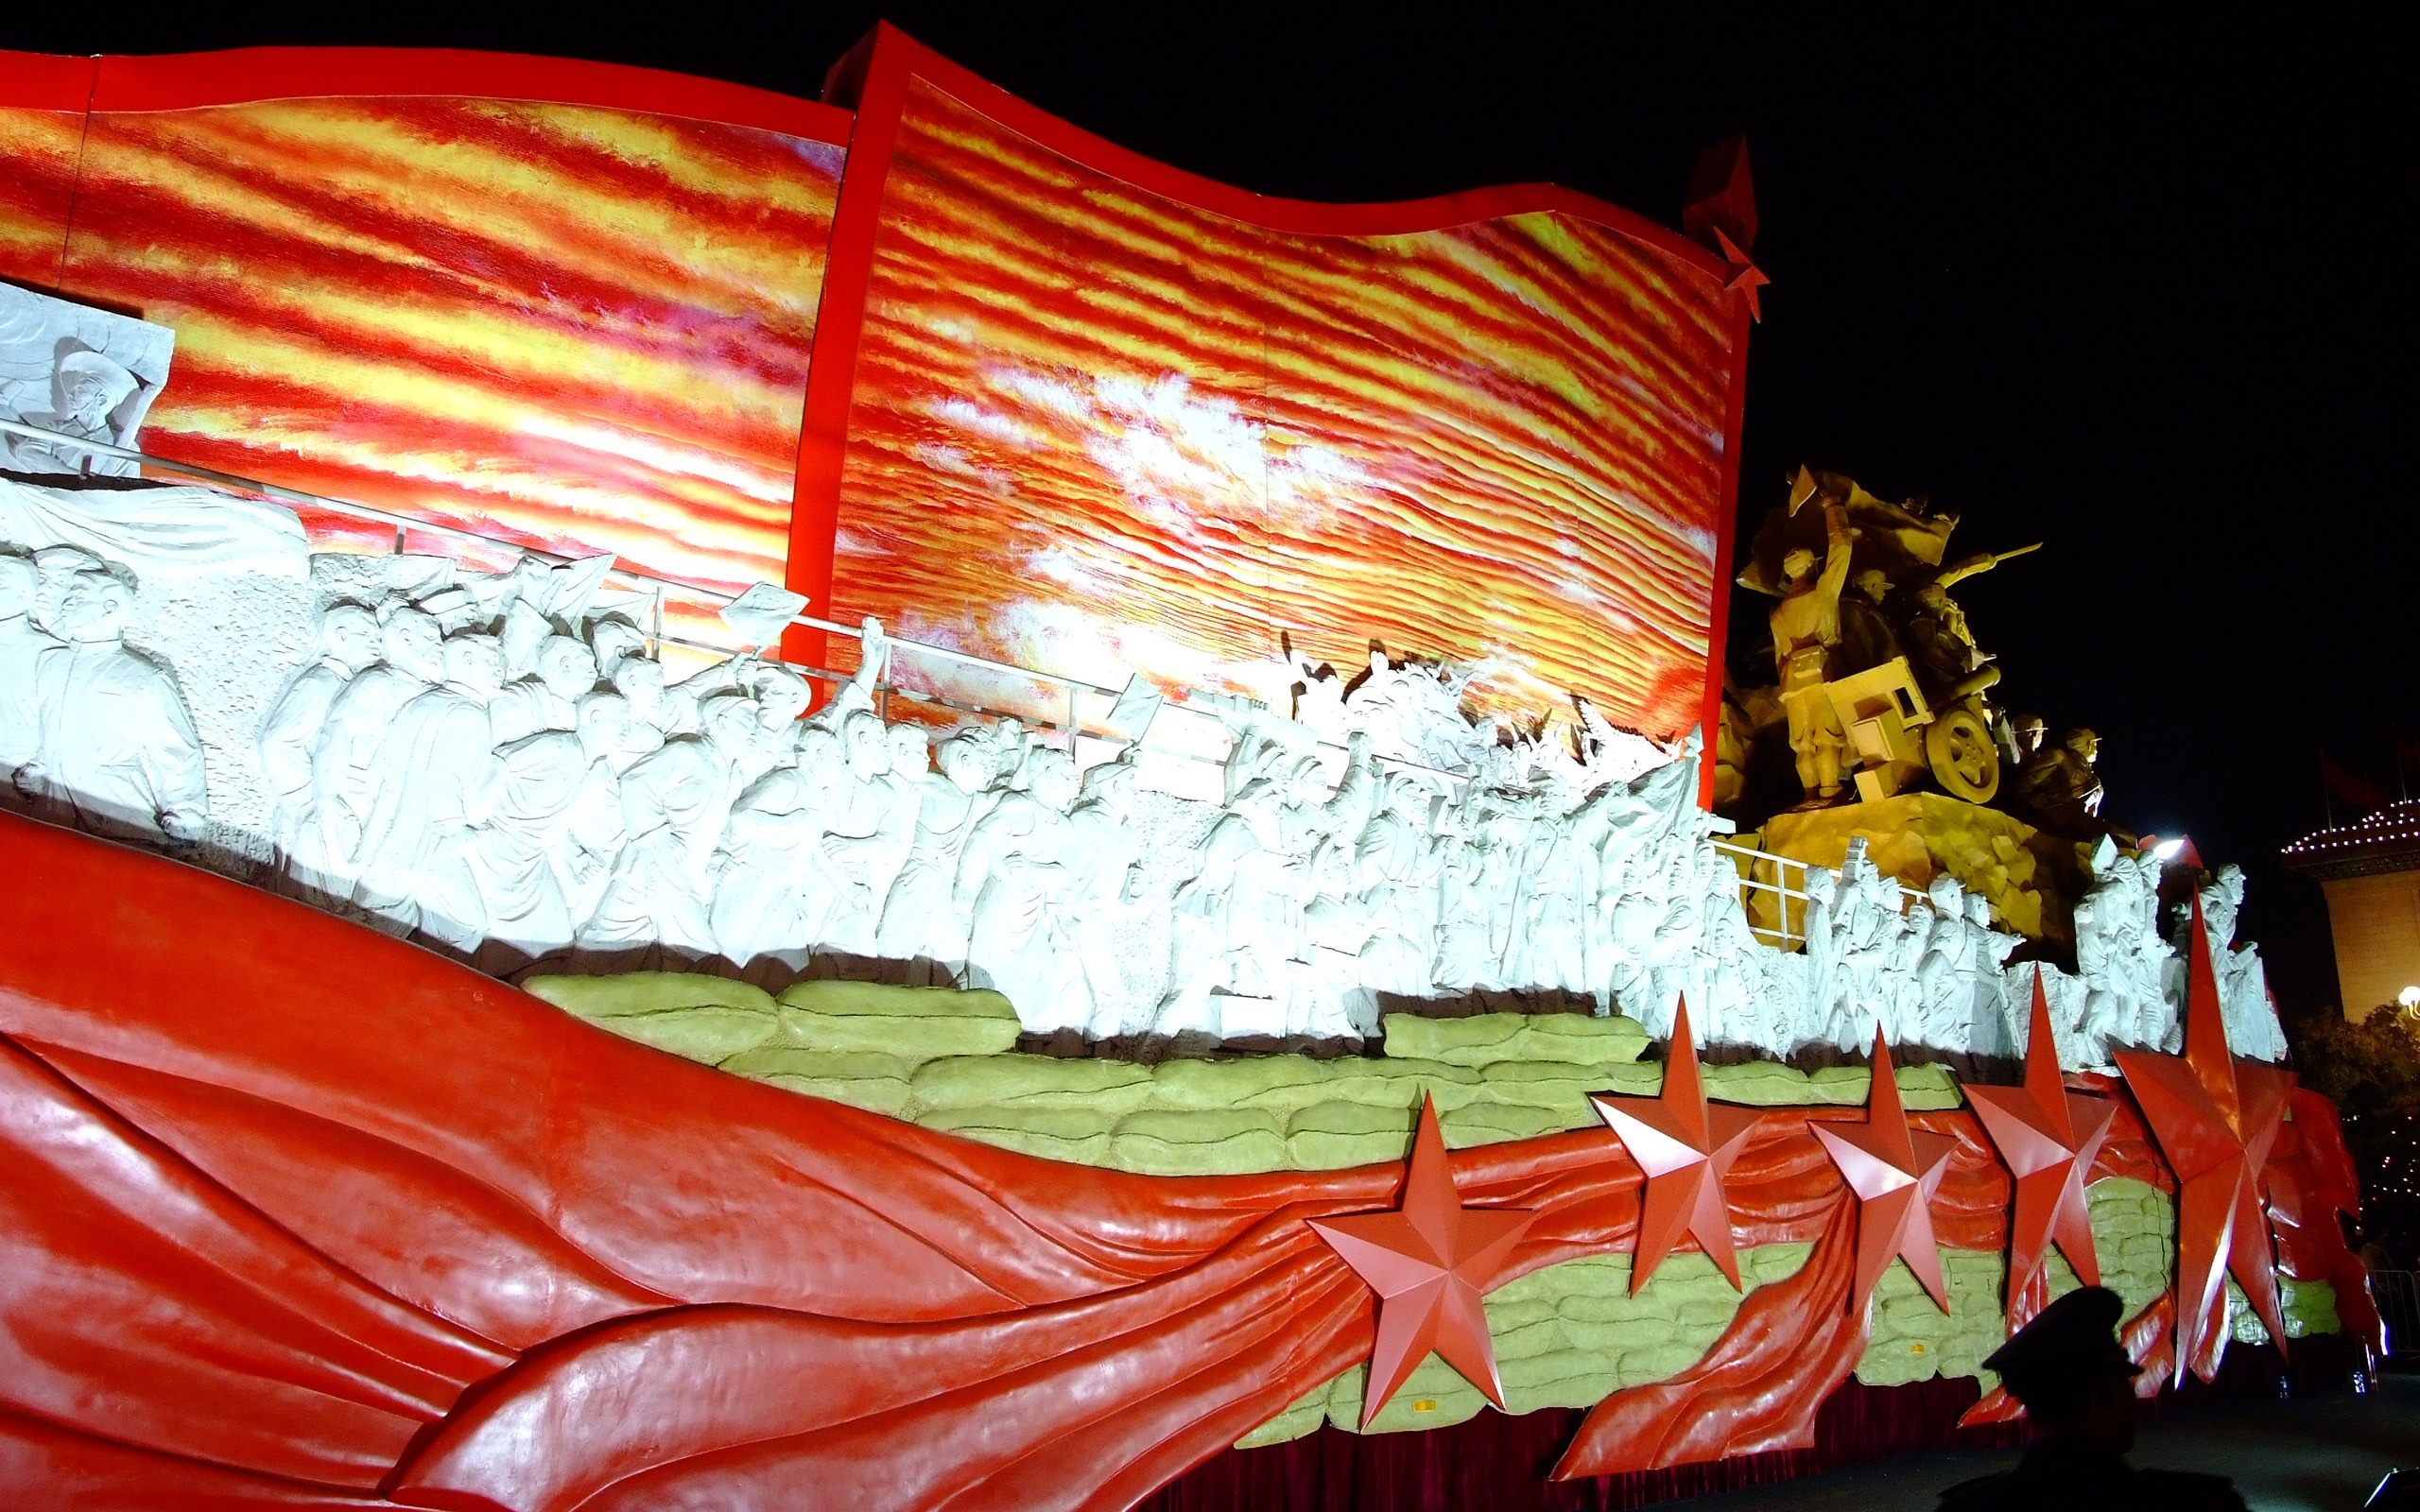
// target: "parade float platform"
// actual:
[[456, 1046]]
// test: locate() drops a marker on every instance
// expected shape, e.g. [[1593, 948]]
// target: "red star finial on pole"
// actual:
[[1895, 1171], [1429, 1261], [2047, 1137], [1687, 1149], [1745, 276], [2216, 1118]]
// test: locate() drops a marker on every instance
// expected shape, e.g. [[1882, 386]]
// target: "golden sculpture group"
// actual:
[[1880, 686]]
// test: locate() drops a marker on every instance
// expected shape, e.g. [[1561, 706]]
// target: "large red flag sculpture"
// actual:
[[300, 1215], [1686, 1148], [1431, 1262], [2216, 1118], [2047, 1137], [1895, 1172]]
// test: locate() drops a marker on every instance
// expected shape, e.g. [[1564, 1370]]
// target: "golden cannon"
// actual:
[[1898, 736]]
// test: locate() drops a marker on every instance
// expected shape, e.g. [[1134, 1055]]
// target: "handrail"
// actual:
[[1784, 937], [2395, 1293]]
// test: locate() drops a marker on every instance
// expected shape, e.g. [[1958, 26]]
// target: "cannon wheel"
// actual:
[[1964, 758]]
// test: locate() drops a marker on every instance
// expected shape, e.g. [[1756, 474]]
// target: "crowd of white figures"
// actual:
[[489, 767]]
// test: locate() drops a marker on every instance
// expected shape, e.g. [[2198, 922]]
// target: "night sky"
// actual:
[[2136, 291]]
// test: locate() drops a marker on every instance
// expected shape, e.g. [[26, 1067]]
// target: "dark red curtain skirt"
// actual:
[[1501, 1463]]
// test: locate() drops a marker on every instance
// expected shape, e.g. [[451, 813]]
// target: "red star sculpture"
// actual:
[[1745, 276], [2047, 1136], [1429, 1261], [1687, 1149], [2216, 1118], [1895, 1171]]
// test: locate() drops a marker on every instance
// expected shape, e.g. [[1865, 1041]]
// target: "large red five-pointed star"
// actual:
[[1895, 1171], [1429, 1261], [1687, 1149], [2216, 1118], [2047, 1137], [1745, 276]]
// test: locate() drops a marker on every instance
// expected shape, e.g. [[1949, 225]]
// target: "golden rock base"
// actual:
[[2033, 879]]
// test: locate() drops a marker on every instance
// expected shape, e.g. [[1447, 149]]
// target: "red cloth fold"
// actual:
[[306, 1206]]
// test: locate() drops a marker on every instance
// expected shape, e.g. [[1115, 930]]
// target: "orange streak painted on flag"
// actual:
[[588, 328], [1095, 428]]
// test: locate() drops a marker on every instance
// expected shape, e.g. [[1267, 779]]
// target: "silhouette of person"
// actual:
[[2078, 1387]]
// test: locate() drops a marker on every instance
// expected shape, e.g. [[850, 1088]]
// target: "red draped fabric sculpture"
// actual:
[[299, 1216]]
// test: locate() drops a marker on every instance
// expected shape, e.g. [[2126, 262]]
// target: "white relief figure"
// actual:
[[1461, 963], [1998, 1007], [1318, 697], [920, 922], [612, 640], [547, 697], [431, 780], [412, 661], [675, 804], [610, 740], [782, 695], [86, 390], [1943, 974], [59, 568], [654, 896], [525, 631], [1412, 712], [640, 681], [1740, 992], [349, 644], [1099, 911], [1812, 1022], [774, 897], [1394, 895], [1674, 950], [865, 842], [24, 648], [77, 371], [1016, 866], [1240, 920], [118, 747], [903, 794], [511, 852], [2123, 963], [1556, 884], [2245, 1002]]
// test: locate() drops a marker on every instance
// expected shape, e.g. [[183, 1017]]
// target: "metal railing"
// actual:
[[2397, 1295], [1776, 904]]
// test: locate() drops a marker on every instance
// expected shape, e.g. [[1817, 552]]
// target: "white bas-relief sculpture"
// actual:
[[2245, 1002], [80, 371], [218, 604], [25, 646], [114, 746], [494, 765], [2128, 989], [704, 818]]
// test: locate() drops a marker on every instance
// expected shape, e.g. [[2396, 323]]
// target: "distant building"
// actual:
[[2371, 872]]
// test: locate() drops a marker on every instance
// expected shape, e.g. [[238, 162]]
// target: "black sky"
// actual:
[[2136, 288]]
